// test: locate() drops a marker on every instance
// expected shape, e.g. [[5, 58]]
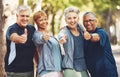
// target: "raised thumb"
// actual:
[[25, 31]]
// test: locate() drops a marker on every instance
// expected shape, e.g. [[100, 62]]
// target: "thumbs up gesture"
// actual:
[[63, 39], [25, 31], [46, 36], [24, 36], [87, 35]]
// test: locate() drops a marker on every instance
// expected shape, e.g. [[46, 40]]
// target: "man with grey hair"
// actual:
[[20, 47], [98, 53]]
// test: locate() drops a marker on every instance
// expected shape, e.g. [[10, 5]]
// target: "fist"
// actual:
[[63, 39], [87, 35], [46, 36]]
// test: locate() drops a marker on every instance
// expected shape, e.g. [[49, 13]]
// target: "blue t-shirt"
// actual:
[[99, 58], [78, 56]]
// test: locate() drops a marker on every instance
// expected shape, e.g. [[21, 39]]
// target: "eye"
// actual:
[[68, 18], [74, 17], [90, 20]]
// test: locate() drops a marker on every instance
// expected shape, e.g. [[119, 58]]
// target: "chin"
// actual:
[[23, 26]]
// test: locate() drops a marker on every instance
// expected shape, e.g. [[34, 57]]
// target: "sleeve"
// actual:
[[10, 30], [62, 33], [37, 38], [103, 37], [81, 27]]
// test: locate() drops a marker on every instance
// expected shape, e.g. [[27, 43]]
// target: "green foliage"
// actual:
[[102, 8], [20, 2]]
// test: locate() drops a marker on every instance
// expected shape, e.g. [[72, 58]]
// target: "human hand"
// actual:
[[63, 39], [46, 36], [24, 36], [87, 35], [63, 27]]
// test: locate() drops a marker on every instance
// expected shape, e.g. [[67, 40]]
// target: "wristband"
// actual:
[[91, 36]]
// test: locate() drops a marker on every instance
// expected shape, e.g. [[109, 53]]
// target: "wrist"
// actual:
[[91, 36]]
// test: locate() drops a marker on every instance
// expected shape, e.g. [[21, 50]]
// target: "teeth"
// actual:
[[72, 23]]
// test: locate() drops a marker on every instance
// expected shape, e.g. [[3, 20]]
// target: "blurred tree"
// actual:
[[106, 10], [7, 17], [2, 71], [52, 8]]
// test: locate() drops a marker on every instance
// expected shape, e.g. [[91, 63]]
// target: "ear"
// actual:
[[96, 20], [78, 18], [16, 15], [65, 19]]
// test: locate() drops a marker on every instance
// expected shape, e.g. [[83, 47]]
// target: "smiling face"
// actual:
[[23, 18], [42, 22], [89, 23], [72, 19]]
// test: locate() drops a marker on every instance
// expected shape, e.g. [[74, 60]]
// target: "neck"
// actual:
[[42, 30], [75, 31]]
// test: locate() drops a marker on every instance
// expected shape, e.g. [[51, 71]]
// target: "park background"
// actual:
[[107, 12]]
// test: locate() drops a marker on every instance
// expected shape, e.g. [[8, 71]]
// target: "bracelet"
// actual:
[[91, 36]]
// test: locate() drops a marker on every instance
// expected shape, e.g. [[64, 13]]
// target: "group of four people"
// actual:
[[86, 49]]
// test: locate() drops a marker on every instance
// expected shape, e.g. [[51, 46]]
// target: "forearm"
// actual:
[[17, 38]]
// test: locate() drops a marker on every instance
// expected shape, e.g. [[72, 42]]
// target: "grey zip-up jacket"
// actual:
[[46, 60], [68, 46]]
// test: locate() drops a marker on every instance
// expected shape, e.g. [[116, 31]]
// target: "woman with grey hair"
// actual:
[[72, 39]]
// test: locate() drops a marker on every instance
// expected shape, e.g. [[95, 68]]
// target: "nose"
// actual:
[[72, 20], [88, 22], [26, 17]]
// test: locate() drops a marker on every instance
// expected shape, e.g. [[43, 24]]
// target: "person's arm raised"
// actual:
[[19, 38], [95, 37]]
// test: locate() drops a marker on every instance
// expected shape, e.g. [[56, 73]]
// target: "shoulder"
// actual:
[[13, 26], [81, 27], [30, 26], [37, 33], [64, 29], [100, 30]]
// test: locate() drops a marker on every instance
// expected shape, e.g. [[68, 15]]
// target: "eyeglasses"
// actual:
[[90, 20]]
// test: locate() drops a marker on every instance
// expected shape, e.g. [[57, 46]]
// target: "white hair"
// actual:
[[23, 8], [71, 9]]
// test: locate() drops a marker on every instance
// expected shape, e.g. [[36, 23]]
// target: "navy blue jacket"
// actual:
[[99, 58]]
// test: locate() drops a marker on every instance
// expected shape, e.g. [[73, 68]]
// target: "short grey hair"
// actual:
[[71, 9], [91, 14], [23, 8]]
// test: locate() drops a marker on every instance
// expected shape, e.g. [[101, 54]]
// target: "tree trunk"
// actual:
[[2, 72], [53, 23], [108, 23], [7, 17]]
